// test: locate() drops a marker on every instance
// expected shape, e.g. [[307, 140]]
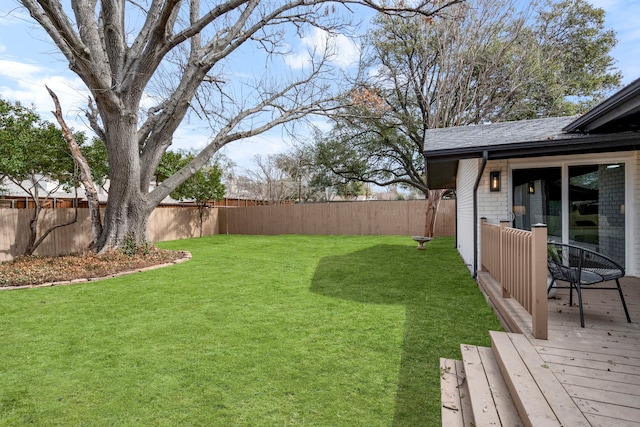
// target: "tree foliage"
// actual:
[[203, 187], [31, 146], [35, 157], [575, 67], [482, 61]]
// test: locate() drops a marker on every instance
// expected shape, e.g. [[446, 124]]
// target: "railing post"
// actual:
[[502, 255], [483, 221], [539, 309]]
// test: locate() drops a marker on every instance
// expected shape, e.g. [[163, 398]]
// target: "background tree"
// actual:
[[35, 157], [294, 175], [574, 67], [269, 181], [202, 187], [122, 51], [482, 61]]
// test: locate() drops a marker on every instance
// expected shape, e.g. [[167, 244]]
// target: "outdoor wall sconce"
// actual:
[[532, 187], [494, 181]]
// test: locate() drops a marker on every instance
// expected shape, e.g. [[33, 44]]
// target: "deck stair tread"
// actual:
[[454, 391], [490, 399], [539, 396]]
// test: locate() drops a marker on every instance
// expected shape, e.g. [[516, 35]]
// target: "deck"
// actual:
[[579, 376]]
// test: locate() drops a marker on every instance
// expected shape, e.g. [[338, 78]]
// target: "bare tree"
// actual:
[[121, 49], [269, 181]]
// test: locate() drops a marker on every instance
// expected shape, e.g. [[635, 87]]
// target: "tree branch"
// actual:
[[85, 171]]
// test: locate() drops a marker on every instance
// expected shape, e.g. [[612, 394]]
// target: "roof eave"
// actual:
[[574, 145], [615, 106]]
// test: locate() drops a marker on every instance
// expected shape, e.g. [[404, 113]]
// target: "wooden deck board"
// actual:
[[599, 365], [600, 421], [456, 407], [631, 388], [592, 364], [619, 357], [528, 398], [602, 396], [505, 406], [593, 373], [485, 412], [614, 412], [554, 392]]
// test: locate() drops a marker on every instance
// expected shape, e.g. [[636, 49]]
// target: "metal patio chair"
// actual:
[[582, 268]]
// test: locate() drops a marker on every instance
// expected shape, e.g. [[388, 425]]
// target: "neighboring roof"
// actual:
[[610, 126]]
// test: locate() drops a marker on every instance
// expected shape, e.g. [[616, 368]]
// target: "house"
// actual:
[[578, 175], [581, 177]]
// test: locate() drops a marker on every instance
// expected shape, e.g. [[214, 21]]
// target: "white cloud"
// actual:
[[25, 82], [21, 70], [340, 50]]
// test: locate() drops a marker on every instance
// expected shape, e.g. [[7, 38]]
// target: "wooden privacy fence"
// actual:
[[164, 224], [518, 260], [358, 218]]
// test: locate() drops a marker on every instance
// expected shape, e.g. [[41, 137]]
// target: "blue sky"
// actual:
[[28, 61]]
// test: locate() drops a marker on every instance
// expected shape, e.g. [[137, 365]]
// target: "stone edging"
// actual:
[[186, 256]]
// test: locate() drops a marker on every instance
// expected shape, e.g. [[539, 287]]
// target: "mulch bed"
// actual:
[[31, 271]]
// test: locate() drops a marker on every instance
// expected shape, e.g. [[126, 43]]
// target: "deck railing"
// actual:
[[518, 260]]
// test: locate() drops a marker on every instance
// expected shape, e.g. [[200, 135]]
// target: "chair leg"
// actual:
[[571, 294], [550, 285], [624, 304], [579, 291]]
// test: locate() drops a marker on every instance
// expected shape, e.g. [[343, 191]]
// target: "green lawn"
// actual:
[[253, 331]]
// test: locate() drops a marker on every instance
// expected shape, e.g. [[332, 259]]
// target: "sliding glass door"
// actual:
[[594, 212]]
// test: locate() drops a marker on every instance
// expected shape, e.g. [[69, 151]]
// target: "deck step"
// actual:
[[539, 396], [454, 393], [490, 399]]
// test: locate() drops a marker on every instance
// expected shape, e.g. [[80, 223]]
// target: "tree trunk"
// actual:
[[125, 218], [201, 211], [127, 212], [33, 228], [433, 202]]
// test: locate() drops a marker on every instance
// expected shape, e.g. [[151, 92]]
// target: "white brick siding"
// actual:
[[494, 205], [467, 173]]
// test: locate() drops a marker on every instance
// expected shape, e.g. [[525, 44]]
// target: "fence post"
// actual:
[[502, 255], [539, 309]]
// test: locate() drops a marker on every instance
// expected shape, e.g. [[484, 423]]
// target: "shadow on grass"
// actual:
[[441, 302]]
